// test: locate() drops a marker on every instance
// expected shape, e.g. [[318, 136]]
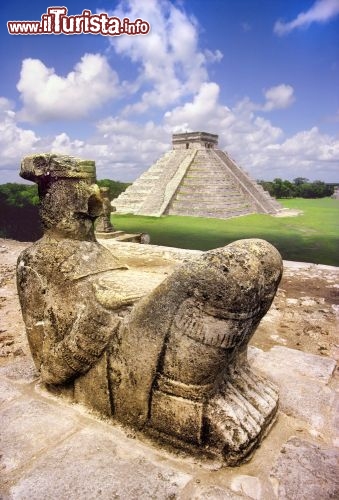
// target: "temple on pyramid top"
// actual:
[[195, 179], [194, 140]]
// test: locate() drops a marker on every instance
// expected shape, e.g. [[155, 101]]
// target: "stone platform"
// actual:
[[52, 449]]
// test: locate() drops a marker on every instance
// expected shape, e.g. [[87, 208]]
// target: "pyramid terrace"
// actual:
[[196, 179]]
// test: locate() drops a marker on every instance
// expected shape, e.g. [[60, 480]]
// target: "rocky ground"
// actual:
[[50, 449], [13, 343]]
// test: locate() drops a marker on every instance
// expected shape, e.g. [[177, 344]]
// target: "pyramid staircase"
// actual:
[[199, 181], [147, 194]]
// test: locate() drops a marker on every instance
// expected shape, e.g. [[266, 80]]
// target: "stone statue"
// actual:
[[103, 224], [169, 360]]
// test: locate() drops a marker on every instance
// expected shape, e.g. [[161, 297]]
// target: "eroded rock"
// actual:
[[305, 471]]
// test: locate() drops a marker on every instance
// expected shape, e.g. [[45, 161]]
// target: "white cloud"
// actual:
[[48, 96], [253, 141], [238, 128], [15, 141], [215, 56], [309, 154], [172, 77], [278, 97], [123, 149], [197, 114], [321, 11], [168, 58], [311, 146]]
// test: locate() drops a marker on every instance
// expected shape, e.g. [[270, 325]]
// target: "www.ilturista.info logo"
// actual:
[[57, 22]]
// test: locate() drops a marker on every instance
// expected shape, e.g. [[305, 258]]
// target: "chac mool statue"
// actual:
[[170, 360]]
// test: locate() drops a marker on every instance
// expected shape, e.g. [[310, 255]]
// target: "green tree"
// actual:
[[19, 214], [268, 186], [19, 195], [300, 187], [115, 187], [316, 189], [300, 180], [278, 187]]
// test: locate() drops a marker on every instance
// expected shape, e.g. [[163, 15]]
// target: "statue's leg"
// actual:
[[179, 365], [184, 385], [205, 392]]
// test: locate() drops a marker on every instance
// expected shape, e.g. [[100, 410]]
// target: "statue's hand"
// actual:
[[81, 348], [113, 292]]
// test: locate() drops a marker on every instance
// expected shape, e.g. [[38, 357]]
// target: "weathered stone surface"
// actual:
[[21, 370], [169, 357], [247, 485], [8, 392], [104, 224], [90, 465], [300, 363], [92, 388], [28, 427], [292, 371], [305, 471], [317, 401], [211, 493], [188, 477]]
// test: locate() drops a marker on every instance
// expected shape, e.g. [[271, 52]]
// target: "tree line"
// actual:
[[19, 203], [19, 208], [299, 188]]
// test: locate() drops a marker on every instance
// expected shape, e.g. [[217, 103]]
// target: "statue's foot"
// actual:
[[230, 423], [238, 417]]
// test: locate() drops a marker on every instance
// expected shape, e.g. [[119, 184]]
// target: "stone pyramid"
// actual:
[[197, 179]]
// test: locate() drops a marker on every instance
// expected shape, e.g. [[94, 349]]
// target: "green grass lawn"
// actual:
[[311, 237]]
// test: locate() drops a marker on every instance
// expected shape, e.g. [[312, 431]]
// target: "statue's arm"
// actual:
[[82, 346]]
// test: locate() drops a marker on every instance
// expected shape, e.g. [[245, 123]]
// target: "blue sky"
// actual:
[[262, 74]]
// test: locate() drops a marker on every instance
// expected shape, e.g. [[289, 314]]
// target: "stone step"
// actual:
[[210, 212], [205, 185], [208, 176], [216, 211], [133, 198], [215, 193], [211, 206], [217, 190], [210, 190], [139, 190], [212, 215], [205, 198]]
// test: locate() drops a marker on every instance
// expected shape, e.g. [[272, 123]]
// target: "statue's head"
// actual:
[[70, 200]]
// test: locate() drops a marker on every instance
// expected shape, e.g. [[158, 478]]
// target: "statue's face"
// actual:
[[88, 201], [69, 208]]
